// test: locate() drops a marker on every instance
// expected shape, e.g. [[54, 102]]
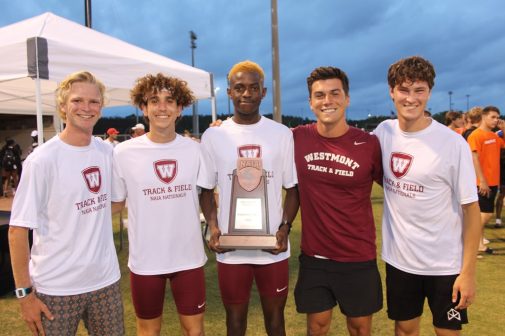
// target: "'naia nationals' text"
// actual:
[[92, 204], [163, 193]]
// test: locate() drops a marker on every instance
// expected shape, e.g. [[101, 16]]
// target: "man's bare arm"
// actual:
[[117, 207], [291, 205], [465, 282], [209, 209], [483, 186], [31, 306]]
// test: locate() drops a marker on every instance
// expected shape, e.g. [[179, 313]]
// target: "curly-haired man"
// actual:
[[157, 172]]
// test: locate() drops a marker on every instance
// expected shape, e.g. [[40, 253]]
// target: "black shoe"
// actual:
[[488, 250]]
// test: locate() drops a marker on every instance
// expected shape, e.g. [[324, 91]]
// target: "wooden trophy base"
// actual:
[[248, 242]]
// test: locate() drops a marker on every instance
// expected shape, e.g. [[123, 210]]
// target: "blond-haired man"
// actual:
[[72, 272]]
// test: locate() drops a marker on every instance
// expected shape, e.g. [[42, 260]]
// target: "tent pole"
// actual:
[[40, 125], [57, 123], [214, 108], [38, 99]]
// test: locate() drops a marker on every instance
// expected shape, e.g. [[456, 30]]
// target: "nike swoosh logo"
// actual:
[[358, 143], [282, 289], [201, 305]]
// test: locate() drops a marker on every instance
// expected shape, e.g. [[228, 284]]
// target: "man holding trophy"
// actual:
[[250, 159]]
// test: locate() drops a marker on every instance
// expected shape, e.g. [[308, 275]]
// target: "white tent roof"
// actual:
[[54, 47]]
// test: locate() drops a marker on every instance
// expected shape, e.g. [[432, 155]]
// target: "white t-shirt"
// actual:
[[159, 182], [428, 175], [273, 143], [64, 196]]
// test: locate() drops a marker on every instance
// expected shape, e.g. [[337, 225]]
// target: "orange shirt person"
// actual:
[[485, 146]]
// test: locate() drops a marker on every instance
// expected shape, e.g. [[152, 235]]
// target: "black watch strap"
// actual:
[[22, 292], [285, 223]]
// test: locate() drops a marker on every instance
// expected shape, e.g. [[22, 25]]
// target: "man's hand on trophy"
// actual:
[[282, 240], [215, 233]]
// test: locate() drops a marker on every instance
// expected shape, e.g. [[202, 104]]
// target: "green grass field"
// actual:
[[486, 314]]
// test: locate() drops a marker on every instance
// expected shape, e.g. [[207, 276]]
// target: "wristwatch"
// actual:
[[22, 292], [285, 223]]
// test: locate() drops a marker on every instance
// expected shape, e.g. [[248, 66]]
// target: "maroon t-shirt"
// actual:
[[335, 177]]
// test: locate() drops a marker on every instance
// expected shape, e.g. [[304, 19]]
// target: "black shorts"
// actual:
[[324, 283], [406, 293], [486, 204]]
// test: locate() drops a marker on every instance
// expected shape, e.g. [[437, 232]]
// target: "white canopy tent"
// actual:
[[37, 53]]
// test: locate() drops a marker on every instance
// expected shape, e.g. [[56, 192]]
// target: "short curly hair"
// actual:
[[247, 66], [155, 83], [77, 77], [411, 69], [328, 72]]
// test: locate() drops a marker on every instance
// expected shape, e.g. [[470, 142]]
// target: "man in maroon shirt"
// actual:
[[337, 165]]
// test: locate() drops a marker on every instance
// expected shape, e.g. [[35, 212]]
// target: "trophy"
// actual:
[[248, 227]]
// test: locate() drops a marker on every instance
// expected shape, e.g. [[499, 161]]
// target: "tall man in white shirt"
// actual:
[[431, 222], [72, 272], [248, 134]]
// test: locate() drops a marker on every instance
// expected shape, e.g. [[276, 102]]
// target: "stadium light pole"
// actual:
[[227, 96], [196, 126], [277, 114], [87, 13], [450, 101]]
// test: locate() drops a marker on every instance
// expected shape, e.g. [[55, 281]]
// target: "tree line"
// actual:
[[124, 124]]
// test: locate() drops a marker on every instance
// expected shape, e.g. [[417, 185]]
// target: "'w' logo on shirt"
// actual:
[[93, 179], [249, 151], [400, 164], [166, 170]]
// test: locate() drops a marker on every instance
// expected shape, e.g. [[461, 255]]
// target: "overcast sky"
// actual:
[[464, 39]]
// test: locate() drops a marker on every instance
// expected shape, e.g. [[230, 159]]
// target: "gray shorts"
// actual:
[[101, 311], [323, 283]]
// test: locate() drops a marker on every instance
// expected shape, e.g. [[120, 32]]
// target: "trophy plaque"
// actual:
[[248, 227]]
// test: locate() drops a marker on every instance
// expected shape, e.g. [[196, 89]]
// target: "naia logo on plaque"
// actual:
[[248, 227], [93, 179]]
